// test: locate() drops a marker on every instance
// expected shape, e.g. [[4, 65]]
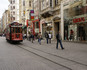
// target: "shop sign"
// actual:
[[32, 14], [82, 19]]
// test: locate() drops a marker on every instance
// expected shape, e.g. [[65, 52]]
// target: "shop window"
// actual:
[[37, 25]]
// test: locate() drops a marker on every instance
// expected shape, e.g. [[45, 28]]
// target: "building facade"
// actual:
[[36, 21], [50, 14], [14, 10], [75, 24]]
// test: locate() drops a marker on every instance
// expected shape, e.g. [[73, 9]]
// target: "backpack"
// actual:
[[46, 35]]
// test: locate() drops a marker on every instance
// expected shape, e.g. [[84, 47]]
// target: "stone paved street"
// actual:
[[75, 52], [33, 56]]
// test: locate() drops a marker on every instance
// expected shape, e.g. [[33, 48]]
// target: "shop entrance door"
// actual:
[[81, 33], [56, 28]]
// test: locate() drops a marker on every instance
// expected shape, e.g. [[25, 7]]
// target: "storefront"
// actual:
[[36, 26], [47, 27], [75, 29]]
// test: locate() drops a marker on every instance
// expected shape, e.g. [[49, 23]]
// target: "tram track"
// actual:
[[57, 56], [46, 58], [51, 55]]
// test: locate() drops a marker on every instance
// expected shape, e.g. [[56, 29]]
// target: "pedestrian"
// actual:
[[29, 36], [24, 36], [32, 37], [58, 37], [50, 36], [39, 38], [46, 36], [71, 34]]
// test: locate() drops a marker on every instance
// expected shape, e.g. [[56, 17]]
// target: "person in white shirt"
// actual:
[[50, 36]]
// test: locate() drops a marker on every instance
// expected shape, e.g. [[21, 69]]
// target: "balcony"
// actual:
[[47, 12]]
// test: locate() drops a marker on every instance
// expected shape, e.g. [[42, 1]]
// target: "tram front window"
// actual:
[[18, 30]]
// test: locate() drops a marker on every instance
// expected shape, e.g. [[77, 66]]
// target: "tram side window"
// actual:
[[15, 30], [9, 30], [20, 30], [12, 30]]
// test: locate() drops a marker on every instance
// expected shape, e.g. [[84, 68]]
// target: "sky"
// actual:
[[3, 6]]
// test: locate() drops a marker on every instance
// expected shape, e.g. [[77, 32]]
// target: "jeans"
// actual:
[[47, 40], [39, 40], [59, 41]]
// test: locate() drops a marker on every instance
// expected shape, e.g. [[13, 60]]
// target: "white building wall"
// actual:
[[16, 10]]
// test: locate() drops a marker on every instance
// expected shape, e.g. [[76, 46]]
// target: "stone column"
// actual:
[[62, 22]]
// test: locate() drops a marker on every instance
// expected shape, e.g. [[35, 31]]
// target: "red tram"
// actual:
[[14, 32]]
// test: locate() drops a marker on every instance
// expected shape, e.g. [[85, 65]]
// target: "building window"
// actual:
[[29, 3], [86, 1], [50, 3], [13, 18], [56, 2], [13, 13], [47, 2], [43, 5], [13, 1], [23, 2], [13, 7]]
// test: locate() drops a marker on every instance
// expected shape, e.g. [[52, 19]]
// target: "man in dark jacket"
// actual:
[[58, 37], [46, 36]]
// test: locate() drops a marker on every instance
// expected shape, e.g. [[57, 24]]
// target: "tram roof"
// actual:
[[15, 23]]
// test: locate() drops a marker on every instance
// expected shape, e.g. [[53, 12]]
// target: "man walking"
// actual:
[[46, 36], [58, 37]]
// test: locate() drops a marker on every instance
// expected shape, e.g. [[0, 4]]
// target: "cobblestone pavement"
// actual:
[[76, 53], [33, 56], [13, 57]]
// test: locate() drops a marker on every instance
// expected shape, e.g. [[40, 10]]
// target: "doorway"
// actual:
[[81, 33], [56, 28]]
